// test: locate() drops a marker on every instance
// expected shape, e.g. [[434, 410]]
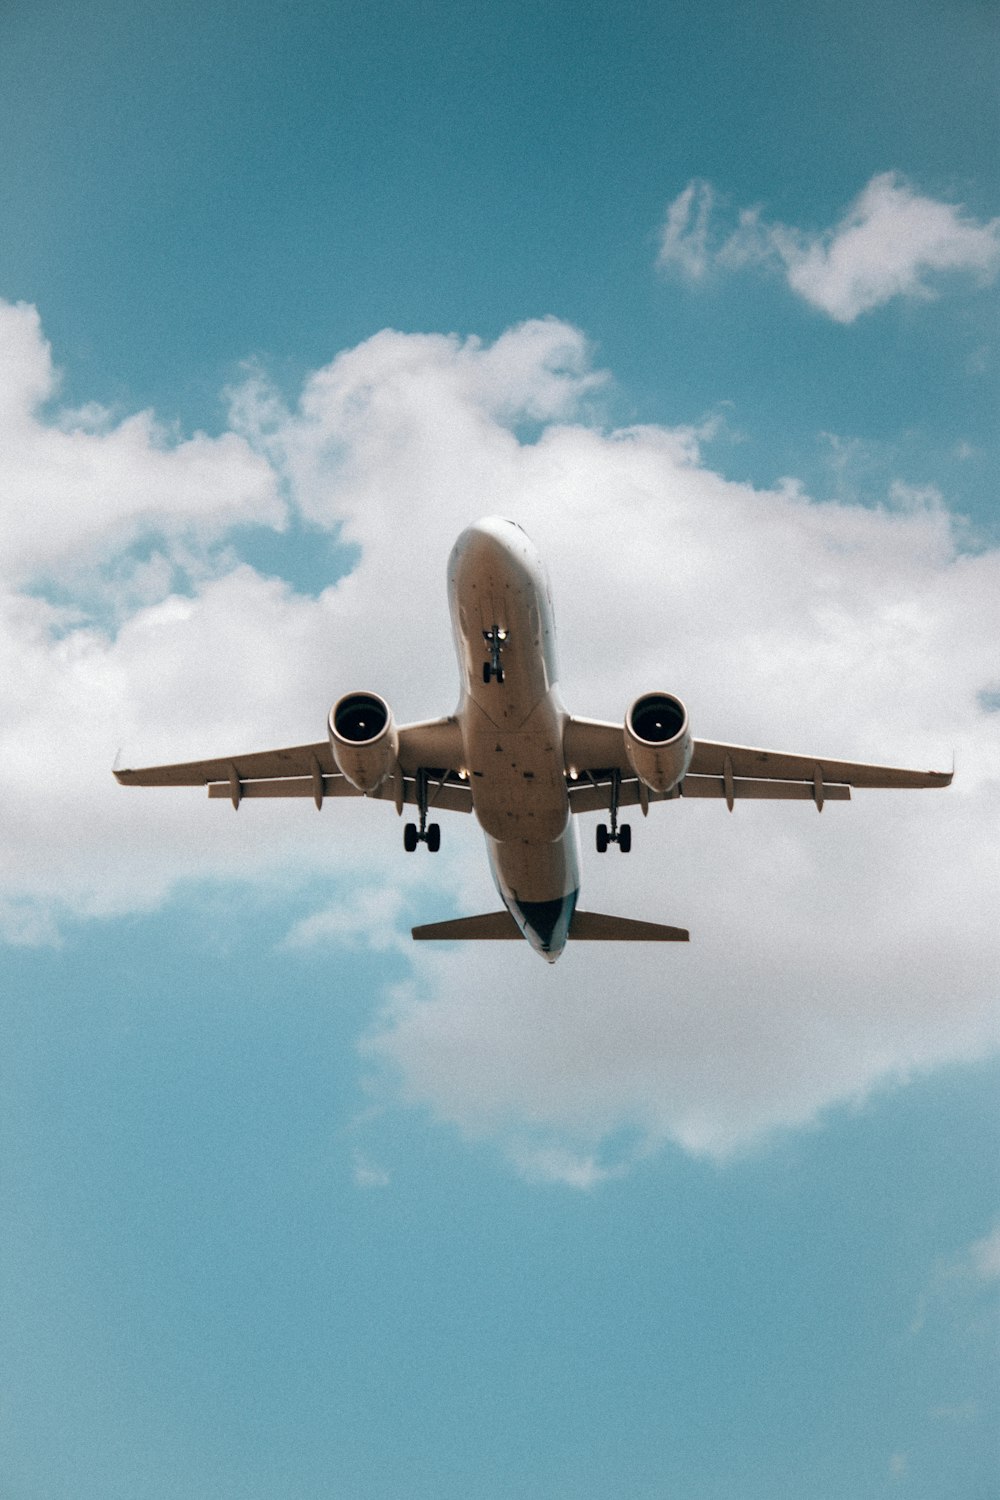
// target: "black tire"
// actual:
[[625, 838], [602, 838], [487, 671], [499, 674], [410, 837], [434, 837]]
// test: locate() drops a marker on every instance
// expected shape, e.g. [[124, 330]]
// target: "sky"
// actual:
[[706, 299]]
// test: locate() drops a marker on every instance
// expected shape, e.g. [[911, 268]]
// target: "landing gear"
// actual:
[[427, 833], [431, 836], [622, 836], [496, 639]]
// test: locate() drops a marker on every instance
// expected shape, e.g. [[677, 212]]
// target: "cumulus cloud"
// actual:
[[78, 486], [369, 916], [891, 242], [829, 953]]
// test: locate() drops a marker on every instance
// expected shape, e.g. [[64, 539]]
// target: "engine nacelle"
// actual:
[[364, 739], [658, 740]]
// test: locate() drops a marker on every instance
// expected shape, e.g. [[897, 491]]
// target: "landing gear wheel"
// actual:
[[433, 837], [410, 837], [625, 838], [602, 838], [487, 671], [499, 674]]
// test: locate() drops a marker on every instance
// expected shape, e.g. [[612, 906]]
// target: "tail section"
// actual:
[[491, 925], [586, 926], [596, 927]]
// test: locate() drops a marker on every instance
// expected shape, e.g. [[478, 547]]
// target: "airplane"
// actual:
[[513, 756]]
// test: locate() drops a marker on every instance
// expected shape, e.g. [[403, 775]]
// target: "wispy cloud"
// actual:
[[972, 1272], [684, 242], [891, 242], [984, 1257], [369, 915], [368, 1174]]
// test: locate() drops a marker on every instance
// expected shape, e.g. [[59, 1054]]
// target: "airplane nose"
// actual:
[[490, 529], [481, 542]]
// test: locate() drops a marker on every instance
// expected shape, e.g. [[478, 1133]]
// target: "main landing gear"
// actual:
[[427, 833], [496, 639], [622, 836], [431, 836]]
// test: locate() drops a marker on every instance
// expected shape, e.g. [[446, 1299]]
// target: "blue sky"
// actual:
[[288, 295]]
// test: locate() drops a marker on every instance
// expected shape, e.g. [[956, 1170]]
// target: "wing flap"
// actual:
[[709, 759], [443, 797], [594, 748], [750, 786], [595, 795], [285, 786], [310, 771], [296, 760]]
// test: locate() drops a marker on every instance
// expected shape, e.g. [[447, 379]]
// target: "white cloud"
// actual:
[[77, 488], [828, 954], [960, 1282], [684, 237], [891, 242], [367, 1174], [984, 1257], [368, 916]]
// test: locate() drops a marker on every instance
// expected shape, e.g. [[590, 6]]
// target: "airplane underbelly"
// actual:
[[519, 785], [527, 874], [539, 885]]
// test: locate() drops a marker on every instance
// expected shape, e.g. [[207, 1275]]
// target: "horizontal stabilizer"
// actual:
[[492, 924], [587, 926], [596, 927]]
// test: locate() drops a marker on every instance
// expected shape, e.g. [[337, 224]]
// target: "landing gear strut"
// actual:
[[622, 836], [496, 639], [427, 833]]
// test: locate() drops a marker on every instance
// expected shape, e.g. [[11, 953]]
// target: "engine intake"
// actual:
[[658, 740], [364, 739]]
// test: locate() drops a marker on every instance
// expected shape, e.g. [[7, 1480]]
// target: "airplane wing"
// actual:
[[595, 754], [431, 749]]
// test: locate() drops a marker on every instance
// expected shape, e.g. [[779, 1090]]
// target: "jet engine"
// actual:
[[364, 739], [658, 740]]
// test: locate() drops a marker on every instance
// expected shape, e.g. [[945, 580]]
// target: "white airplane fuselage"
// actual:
[[512, 727]]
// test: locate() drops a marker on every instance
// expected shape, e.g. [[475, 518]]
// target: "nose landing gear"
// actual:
[[622, 836], [496, 639], [427, 833]]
